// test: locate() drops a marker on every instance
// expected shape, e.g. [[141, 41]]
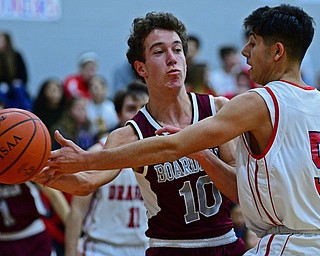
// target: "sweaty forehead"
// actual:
[[161, 36]]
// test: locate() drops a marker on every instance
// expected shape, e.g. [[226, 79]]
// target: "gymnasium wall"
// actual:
[[50, 48]]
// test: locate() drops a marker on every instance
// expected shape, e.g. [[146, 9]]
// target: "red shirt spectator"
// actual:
[[77, 85]]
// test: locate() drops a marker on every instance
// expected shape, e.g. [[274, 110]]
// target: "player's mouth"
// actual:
[[173, 72]]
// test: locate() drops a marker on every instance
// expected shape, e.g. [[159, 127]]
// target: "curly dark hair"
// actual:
[[143, 26], [285, 23]]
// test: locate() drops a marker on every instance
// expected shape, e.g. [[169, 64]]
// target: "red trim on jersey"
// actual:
[[276, 123], [275, 128], [251, 188], [260, 156], [269, 245], [259, 197], [269, 189], [285, 244], [258, 246], [317, 183], [300, 86]]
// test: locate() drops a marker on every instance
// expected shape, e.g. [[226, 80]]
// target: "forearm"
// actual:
[[80, 206], [159, 149], [223, 175], [133, 155], [72, 234], [80, 184], [58, 201]]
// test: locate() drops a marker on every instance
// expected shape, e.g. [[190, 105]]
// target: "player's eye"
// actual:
[[158, 51]]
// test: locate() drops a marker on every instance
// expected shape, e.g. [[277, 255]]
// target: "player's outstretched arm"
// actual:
[[245, 112], [80, 184], [70, 178]]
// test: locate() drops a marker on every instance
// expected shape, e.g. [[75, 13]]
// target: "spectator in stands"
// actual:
[[194, 46], [121, 77], [13, 75], [100, 109], [76, 85], [197, 79], [74, 124], [223, 79], [49, 104]]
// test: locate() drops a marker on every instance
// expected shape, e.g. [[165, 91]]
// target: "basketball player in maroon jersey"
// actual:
[[22, 230], [187, 214]]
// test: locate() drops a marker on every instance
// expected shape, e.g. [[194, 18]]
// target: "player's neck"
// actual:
[[176, 111]]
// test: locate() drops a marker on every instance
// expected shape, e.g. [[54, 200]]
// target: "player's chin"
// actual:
[[253, 76], [176, 84]]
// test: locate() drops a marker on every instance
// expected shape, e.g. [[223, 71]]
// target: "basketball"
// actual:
[[25, 145]]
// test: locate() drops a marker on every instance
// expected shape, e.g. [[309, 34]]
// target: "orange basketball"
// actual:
[[25, 145]]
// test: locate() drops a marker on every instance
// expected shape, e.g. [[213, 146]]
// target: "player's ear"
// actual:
[[140, 68], [278, 50]]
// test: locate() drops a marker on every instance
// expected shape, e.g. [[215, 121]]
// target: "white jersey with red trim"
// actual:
[[279, 190], [117, 214]]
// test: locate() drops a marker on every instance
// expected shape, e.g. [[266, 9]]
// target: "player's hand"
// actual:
[[46, 177], [169, 129], [65, 160], [201, 155]]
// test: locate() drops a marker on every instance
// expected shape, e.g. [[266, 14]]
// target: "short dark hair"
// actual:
[[285, 23], [195, 39], [135, 89], [143, 26], [227, 50]]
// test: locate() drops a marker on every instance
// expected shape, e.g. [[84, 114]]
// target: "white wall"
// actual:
[[51, 48]]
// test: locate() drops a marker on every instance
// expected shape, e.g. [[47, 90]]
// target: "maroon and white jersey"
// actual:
[[20, 211], [182, 202]]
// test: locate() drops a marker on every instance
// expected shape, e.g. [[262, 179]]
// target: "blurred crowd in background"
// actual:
[[81, 106]]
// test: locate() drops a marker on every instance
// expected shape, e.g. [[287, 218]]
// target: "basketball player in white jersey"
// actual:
[[278, 163], [124, 233]]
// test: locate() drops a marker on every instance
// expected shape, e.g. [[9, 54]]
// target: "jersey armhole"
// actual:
[[212, 105], [137, 130]]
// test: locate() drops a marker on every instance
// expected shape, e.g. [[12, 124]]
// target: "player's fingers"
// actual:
[[42, 176], [65, 142], [54, 154], [167, 129], [60, 139], [47, 177], [52, 177]]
